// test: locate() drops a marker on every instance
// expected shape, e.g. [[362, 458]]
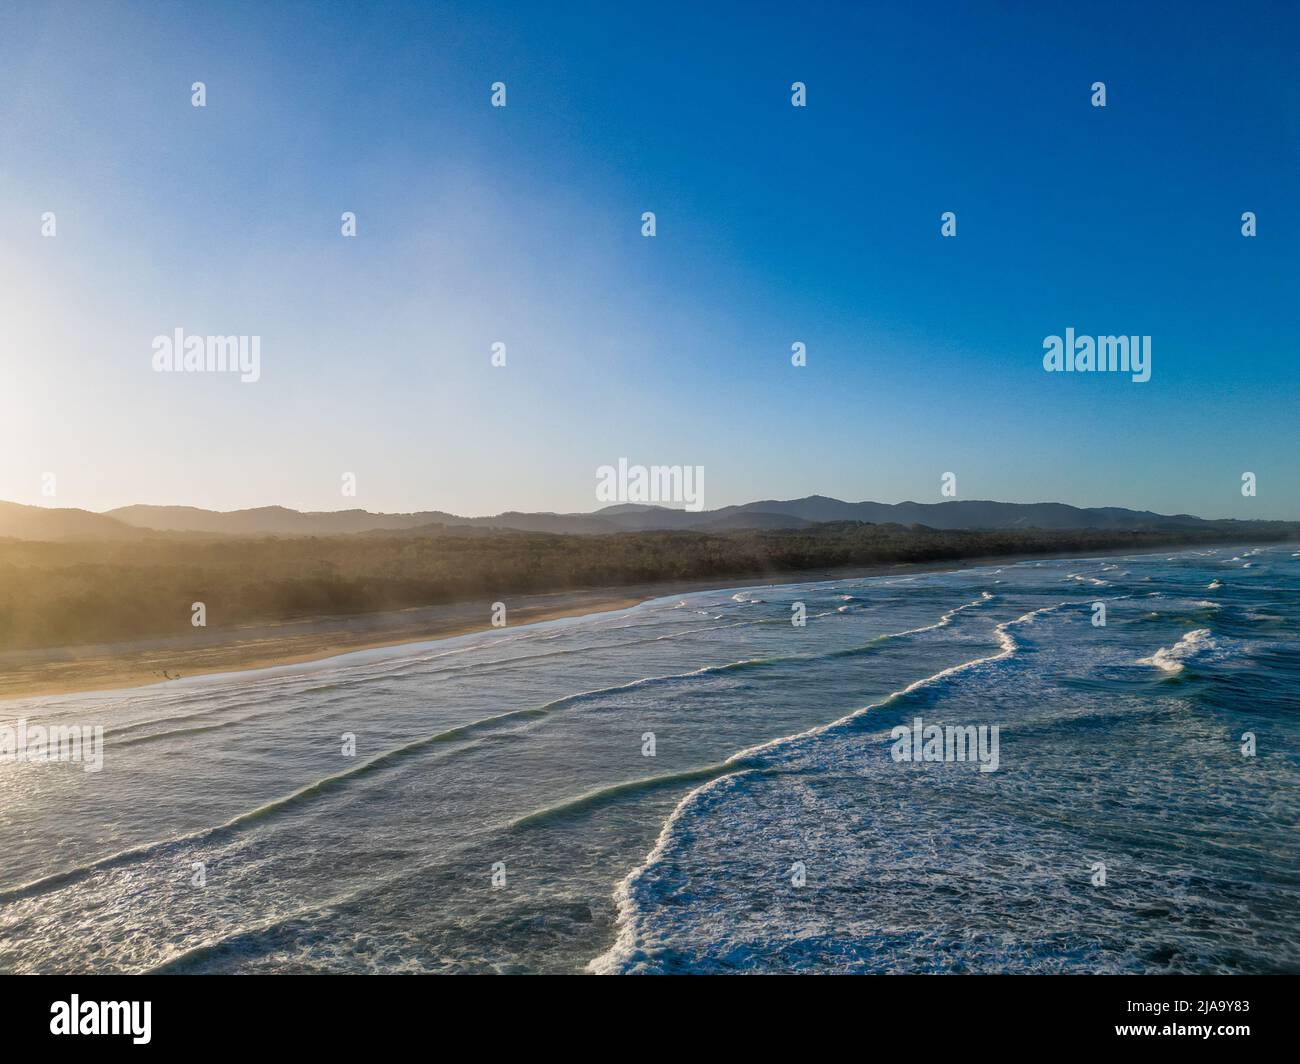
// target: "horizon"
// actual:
[[522, 225], [627, 506]]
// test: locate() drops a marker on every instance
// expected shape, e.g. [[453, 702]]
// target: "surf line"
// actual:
[[626, 944]]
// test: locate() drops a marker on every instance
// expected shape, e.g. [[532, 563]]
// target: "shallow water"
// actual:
[[501, 812]]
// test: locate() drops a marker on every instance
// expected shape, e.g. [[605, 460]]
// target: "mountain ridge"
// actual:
[[132, 522]]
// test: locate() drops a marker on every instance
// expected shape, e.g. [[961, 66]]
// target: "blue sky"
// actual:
[[775, 224]]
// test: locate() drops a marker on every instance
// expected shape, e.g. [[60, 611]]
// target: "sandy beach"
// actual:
[[197, 652], [139, 662]]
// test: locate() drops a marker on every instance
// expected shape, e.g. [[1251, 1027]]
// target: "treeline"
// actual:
[[64, 594]]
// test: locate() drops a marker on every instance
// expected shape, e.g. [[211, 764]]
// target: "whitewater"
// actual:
[[698, 785]]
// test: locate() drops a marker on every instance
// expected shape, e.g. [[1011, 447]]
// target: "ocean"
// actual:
[[697, 784]]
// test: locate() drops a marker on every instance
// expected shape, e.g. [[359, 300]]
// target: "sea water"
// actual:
[[698, 784]]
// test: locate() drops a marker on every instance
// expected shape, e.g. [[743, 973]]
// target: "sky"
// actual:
[[775, 224]]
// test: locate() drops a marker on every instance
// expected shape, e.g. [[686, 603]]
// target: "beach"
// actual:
[[136, 663], [210, 651], [697, 784]]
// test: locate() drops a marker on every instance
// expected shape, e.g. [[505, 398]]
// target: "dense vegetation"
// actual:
[[61, 594]]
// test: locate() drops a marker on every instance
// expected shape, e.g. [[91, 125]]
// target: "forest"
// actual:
[[72, 593]]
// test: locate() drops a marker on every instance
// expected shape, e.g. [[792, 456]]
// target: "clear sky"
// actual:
[[775, 224]]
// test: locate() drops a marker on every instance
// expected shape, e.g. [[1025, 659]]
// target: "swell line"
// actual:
[[625, 945], [394, 672], [311, 790], [618, 790], [262, 812], [328, 783], [734, 766]]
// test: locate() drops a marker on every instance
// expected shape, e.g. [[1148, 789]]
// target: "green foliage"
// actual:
[[66, 594]]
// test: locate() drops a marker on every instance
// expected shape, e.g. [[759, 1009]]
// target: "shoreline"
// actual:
[[52, 672]]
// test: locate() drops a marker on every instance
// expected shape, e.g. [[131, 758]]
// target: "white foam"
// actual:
[[1174, 658], [626, 949]]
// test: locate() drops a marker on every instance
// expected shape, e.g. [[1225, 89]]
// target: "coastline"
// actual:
[[203, 652], [140, 663]]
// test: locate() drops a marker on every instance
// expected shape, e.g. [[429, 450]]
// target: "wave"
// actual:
[[499, 664], [178, 961], [625, 952], [59, 879], [759, 663], [1198, 645], [129, 739], [618, 790], [262, 812]]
